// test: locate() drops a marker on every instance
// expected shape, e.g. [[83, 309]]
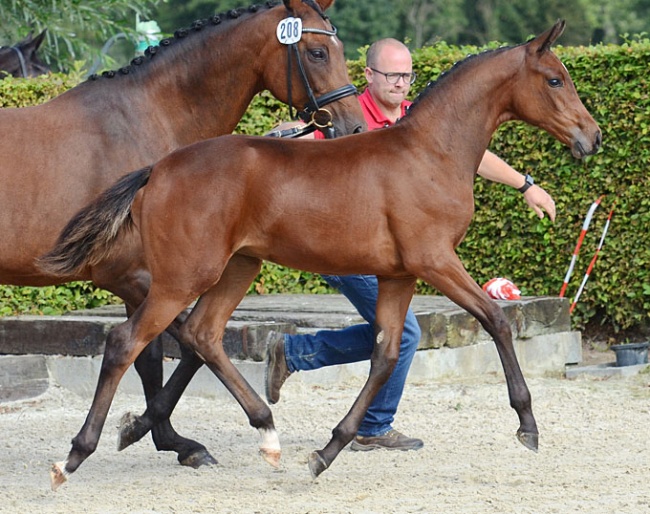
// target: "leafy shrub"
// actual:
[[505, 238]]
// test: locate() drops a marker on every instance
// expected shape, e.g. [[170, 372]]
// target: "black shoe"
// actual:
[[276, 366], [391, 440]]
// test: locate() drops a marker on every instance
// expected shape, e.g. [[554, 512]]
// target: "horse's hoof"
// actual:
[[126, 432], [197, 459], [529, 440], [271, 456], [316, 464], [57, 475]]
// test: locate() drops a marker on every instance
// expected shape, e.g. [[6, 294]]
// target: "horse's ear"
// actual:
[[543, 42], [37, 41], [324, 4]]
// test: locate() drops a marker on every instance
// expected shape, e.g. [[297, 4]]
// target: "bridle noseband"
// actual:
[[313, 113]]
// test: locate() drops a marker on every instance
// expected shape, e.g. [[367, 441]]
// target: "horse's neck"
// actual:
[[207, 98], [460, 114], [194, 95]]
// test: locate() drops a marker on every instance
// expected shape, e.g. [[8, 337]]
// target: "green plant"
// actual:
[[506, 238], [75, 30]]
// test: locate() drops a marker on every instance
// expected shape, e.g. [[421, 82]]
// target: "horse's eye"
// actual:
[[318, 54], [555, 82]]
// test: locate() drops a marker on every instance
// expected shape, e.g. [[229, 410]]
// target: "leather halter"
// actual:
[[313, 113]]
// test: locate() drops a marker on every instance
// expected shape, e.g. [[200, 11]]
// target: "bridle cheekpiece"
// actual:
[[289, 33]]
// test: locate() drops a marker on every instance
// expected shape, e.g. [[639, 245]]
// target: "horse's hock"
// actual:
[[38, 351]]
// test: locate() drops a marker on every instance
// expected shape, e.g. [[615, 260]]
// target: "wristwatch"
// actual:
[[529, 182]]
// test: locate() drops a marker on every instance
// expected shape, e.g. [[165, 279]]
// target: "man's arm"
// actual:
[[497, 170]]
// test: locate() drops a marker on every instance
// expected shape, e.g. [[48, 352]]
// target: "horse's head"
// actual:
[[20, 60], [546, 97], [315, 78]]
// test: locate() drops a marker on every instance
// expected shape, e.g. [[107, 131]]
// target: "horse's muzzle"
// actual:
[[581, 148]]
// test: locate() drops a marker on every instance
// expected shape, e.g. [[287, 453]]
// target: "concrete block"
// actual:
[[606, 370], [52, 335], [22, 377]]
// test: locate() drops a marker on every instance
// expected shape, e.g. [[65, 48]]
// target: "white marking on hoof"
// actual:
[[270, 447], [58, 474]]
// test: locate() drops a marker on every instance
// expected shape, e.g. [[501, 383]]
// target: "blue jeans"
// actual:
[[355, 343]]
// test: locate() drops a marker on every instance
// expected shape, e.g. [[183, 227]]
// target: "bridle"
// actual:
[[24, 70], [313, 114], [21, 59]]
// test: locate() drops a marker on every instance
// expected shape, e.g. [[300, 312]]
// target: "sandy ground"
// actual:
[[594, 454]]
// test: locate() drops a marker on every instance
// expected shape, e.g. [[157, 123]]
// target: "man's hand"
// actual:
[[540, 201]]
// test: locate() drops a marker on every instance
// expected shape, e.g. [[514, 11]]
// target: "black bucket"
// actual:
[[631, 354]]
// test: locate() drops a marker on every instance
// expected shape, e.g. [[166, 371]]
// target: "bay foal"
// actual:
[[394, 203]]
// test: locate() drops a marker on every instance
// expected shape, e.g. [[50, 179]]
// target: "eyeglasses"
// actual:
[[393, 78]]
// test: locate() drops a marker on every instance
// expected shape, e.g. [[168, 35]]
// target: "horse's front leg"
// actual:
[[149, 367], [392, 304], [203, 331], [451, 279]]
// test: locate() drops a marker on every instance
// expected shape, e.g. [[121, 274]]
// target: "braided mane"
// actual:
[[201, 25]]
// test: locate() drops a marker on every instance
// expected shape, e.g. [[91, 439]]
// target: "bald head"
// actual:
[[383, 47]]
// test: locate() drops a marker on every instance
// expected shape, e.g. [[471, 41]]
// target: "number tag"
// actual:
[[289, 31]]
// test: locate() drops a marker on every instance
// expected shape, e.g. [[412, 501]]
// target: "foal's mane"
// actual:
[[215, 22], [463, 64]]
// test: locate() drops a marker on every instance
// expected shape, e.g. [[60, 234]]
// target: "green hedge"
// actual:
[[506, 238]]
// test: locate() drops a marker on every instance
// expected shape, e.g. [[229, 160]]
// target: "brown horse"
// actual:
[[394, 203], [57, 157], [20, 60]]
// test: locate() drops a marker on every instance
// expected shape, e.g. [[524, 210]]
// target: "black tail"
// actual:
[[89, 236]]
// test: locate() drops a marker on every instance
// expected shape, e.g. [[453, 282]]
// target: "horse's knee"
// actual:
[[200, 338], [497, 324], [118, 352]]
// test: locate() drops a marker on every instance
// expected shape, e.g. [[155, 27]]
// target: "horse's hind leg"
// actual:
[[123, 344], [452, 280], [132, 288], [392, 304], [204, 330]]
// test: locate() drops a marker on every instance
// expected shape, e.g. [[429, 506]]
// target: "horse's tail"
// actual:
[[89, 237]]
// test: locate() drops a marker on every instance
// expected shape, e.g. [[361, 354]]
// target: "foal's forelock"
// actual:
[[202, 26]]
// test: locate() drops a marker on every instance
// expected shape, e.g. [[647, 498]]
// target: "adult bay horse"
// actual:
[[56, 157], [20, 60], [394, 203]]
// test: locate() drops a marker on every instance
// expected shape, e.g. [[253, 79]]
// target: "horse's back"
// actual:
[[272, 199]]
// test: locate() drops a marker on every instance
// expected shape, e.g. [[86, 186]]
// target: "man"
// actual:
[[389, 73]]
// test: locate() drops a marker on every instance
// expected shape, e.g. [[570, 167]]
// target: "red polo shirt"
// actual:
[[372, 113]]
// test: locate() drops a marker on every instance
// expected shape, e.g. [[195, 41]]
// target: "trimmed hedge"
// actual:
[[506, 238]]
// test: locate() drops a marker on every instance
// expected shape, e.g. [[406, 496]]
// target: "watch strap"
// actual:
[[528, 182]]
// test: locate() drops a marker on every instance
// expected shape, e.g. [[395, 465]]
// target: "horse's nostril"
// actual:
[[358, 130]]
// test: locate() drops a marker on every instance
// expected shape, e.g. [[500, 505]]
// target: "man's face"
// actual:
[[389, 60]]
